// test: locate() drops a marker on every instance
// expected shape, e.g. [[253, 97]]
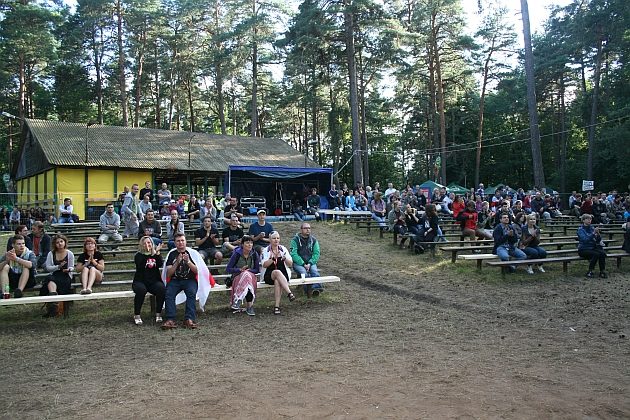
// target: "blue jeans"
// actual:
[[313, 272], [172, 289], [382, 222], [66, 219], [535, 252], [505, 253]]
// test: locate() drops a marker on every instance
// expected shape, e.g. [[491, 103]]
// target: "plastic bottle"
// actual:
[[5, 293]]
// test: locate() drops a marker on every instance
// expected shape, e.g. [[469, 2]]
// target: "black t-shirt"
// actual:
[[201, 233], [194, 207], [183, 271], [236, 208], [144, 192], [154, 229], [148, 268], [83, 257], [233, 235]]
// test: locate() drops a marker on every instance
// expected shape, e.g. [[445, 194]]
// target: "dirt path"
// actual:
[[401, 337]]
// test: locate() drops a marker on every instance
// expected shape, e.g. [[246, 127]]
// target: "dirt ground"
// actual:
[[401, 337]]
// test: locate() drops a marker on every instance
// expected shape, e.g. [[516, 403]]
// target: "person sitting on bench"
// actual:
[[91, 265], [17, 268], [530, 243], [468, 220], [147, 278], [110, 223], [590, 246], [505, 240], [60, 265]]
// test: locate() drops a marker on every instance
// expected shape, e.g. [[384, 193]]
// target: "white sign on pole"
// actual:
[[588, 185]]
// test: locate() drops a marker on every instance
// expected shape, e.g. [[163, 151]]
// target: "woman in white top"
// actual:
[[276, 261]]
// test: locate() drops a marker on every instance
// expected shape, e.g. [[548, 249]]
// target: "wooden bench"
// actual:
[[564, 260], [346, 214], [130, 294], [479, 258], [107, 273], [369, 225]]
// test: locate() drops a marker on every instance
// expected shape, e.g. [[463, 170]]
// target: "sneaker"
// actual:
[[603, 275], [53, 294], [158, 318], [137, 320], [88, 291], [236, 306], [17, 293], [589, 275], [84, 292], [250, 311], [541, 269], [316, 292], [530, 270]]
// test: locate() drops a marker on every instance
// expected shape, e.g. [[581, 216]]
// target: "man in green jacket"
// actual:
[[304, 250]]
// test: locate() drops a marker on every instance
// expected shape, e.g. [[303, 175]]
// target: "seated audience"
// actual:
[[17, 268], [60, 265], [530, 243], [378, 210], [232, 235], [65, 211], [469, 222], [505, 239], [313, 203], [591, 246], [207, 241], [276, 271], [91, 265], [173, 227], [243, 267], [151, 227], [260, 231], [22, 231], [147, 279], [304, 250], [109, 223], [41, 243]]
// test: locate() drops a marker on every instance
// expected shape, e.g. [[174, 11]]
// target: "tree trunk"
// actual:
[[121, 67], [140, 63], [353, 97], [563, 137], [439, 85], [98, 69], [254, 126], [539, 173], [22, 87], [363, 143], [191, 108], [593, 120], [156, 80], [482, 103]]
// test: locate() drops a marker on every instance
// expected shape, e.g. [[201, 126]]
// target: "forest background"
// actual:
[[386, 90]]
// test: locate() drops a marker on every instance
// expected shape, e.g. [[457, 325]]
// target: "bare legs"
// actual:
[[280, 284], [89, 275]]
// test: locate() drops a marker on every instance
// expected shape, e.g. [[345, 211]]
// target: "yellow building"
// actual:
[[92, 164]]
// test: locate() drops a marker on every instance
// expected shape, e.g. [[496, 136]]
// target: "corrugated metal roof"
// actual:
[[143, 148]]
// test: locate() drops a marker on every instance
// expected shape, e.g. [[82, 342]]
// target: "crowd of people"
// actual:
[[183, 269], [510, 218]]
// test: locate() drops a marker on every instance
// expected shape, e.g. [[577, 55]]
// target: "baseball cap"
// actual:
[[261, 211]]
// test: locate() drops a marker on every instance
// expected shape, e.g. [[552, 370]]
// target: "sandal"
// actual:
[[291, 297], [276, 310]]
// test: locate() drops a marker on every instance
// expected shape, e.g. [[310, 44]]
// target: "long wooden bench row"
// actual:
[[125, 294], [504, 265], [128, 271]]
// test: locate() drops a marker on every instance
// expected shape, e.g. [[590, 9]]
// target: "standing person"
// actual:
[[276, 263], [243, 266], [60, 265], [41, 243], [260, 231], [147, 190], [590, 246], [109, 223], [530, 243], [505, 240], [131, 212], [184, 270], [147, 278], [17, 268], [91, 265], [151, 227], [173, 227], [304, 251], [65, 211], [207, 240], [164, 195]]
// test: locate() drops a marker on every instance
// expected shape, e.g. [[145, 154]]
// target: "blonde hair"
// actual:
[[141, 248]]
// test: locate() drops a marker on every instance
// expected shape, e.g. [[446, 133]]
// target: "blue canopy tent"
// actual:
[[273, 186]]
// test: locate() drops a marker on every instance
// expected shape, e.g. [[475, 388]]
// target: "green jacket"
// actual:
[[308, 246]]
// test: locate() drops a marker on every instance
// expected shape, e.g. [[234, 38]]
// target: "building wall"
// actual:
[[71, 184]]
